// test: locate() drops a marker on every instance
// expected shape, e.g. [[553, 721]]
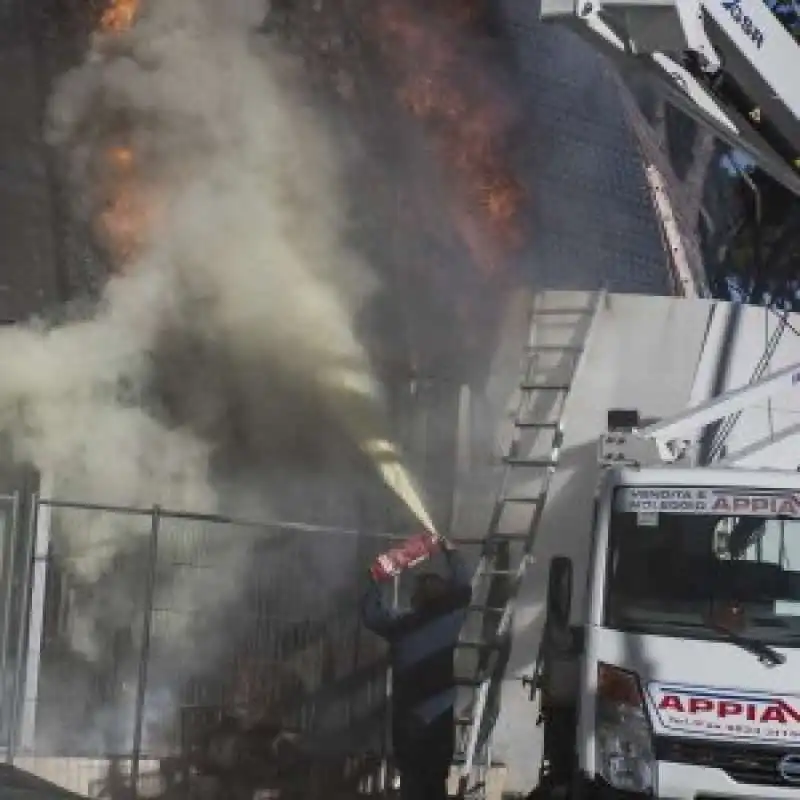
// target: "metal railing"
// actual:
[[132, 626]]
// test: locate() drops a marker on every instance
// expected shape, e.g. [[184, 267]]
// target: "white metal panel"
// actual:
[[764, 42]]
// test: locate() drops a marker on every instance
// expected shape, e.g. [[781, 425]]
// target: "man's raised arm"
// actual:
[[374, 612]]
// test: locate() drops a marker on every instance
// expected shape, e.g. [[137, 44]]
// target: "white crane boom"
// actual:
[[730, 64], [672, 436], [690, 421]]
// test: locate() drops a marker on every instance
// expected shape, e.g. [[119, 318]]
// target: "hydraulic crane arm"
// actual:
[[729, 64], [691, 420], [668, 440]]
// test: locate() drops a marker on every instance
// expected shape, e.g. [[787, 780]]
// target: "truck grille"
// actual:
[[743, 763]]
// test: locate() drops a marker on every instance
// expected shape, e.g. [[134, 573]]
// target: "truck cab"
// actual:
[[681, 678]]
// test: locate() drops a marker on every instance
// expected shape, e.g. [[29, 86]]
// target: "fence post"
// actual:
[[35, 585], [387, 773], [24, 605], [144, 658], [9, 562]]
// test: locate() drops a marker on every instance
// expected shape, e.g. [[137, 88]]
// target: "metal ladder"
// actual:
[[534, 438]]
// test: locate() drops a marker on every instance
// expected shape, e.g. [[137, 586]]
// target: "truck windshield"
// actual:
[[692, 571]]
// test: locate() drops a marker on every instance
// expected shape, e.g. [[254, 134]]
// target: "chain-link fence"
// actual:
[[150, 636]]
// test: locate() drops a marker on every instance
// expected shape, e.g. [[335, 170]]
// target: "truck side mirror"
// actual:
[[559, 592]]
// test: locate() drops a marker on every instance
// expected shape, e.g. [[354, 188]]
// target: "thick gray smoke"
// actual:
[[240, 232], [235, 310]]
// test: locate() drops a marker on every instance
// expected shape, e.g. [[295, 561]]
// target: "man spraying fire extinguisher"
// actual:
[[422, 642]]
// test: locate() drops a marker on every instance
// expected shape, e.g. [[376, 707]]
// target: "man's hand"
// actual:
[[446, 544], [374, 574]]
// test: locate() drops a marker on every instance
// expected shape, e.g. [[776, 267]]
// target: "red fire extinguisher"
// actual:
[[413, 551]]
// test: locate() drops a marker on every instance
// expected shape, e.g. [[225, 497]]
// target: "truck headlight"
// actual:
[[624, 745]]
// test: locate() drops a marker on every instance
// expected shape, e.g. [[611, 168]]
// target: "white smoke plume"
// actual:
[[239, 220], [235, 310]]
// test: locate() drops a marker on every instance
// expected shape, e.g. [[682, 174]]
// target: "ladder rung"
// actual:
[[459, 759], [463, 721], [549, 348], [478, 645], [507, 536], [472, 683], [483, 609], [530, 462], [522, 499], [546, 387], [543, 425], [558, 312]]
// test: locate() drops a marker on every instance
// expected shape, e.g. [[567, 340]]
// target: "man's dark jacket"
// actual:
[[422, 645]]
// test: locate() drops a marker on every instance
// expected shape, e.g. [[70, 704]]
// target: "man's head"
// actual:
[[428, 589]]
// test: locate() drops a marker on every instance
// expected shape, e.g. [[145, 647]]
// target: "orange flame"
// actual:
[[119, 16], [128, 212], [120, 157], [461, 110], [131, 207], [125, 222]]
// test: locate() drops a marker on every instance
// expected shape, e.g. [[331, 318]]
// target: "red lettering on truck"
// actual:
[[727, 708], [775, 710], [671, 702], [700, 705]]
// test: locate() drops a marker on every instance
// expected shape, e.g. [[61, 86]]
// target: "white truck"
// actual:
[[682, 680]]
